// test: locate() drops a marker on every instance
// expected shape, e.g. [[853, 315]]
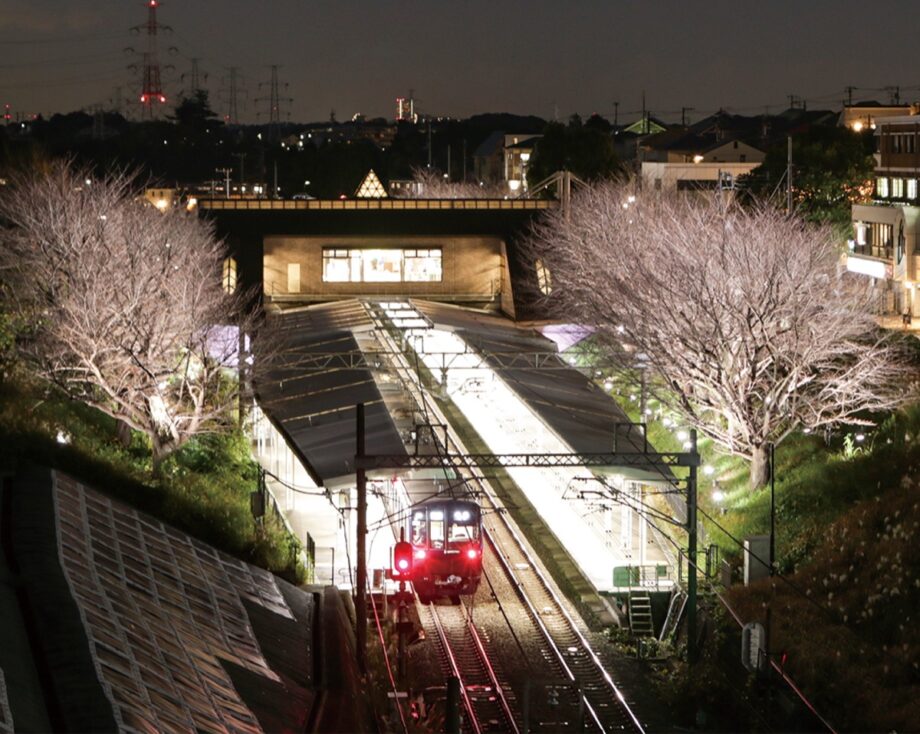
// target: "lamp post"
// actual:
[[525, 157]]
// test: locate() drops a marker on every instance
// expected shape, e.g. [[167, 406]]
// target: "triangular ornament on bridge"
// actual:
[[371, 188]]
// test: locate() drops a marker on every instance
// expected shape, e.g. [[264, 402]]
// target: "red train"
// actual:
[[446, 538]]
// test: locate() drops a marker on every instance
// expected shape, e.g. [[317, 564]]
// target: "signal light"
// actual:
[[420, 554], [402, 561]]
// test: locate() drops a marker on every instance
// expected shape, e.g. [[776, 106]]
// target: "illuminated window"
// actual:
[[340, 267], [293, 277], [860, 233], [381, 266], [390, 265], [897, 188], [228, 279], [911, 188], [544, 279], [422, 265], [881, 188]]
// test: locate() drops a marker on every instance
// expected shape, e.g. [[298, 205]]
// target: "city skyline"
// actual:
[[357, 57]]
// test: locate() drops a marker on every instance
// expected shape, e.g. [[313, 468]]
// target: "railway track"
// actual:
[[572, 676], [484, 698], [584, 687]]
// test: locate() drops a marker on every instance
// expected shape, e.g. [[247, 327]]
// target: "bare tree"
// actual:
[[744, 317], [431, 184], [127, 305]]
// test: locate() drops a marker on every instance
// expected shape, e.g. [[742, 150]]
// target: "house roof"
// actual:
[[491, 145], [134, 625]]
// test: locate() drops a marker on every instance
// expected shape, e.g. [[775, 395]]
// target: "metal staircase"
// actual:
[[640, 613]]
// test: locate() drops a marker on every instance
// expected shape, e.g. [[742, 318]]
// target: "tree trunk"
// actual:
[[760, 467], [123, 432], [159, 451]]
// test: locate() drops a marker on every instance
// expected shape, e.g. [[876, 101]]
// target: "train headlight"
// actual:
[[472, 553]]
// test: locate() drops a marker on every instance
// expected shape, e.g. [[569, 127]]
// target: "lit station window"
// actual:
[[372, 265]]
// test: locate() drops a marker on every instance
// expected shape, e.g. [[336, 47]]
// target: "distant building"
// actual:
[[885, 243], [866, 115], [489, 158], [503, 157], [405, 110], [679, 159], [518, 150]]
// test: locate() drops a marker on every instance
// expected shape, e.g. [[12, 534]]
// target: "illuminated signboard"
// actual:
[[864, 266]]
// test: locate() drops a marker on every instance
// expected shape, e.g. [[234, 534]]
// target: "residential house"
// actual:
[[884, 245]]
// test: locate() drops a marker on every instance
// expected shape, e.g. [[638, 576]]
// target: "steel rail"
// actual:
[[455, 670], [487, 664], [420, 394]]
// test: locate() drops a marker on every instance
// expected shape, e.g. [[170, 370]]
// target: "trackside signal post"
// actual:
[[643, 459]]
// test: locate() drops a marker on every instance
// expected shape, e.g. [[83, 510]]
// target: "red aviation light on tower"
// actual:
[[152, 3]]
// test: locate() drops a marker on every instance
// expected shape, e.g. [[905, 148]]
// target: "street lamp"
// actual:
[[525, 157]]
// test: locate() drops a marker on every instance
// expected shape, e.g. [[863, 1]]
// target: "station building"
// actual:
[[462, 251], [353, 283]]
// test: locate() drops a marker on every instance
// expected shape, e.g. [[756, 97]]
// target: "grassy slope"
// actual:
[[204, 489], [848, 536]]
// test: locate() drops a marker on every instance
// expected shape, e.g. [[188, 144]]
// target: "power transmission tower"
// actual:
[[194, 78], [117, 102], [151, 81], [230, 94], [274, 104], [894, 95]]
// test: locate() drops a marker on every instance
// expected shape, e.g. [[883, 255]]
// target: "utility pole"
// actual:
[[683, 115], [448, 162], [429, 145], [644, 115], [616, 115], [789, 174], [241, 157], [464, 160], [692, 652], [226, 174], [361, 571], [849, 91]]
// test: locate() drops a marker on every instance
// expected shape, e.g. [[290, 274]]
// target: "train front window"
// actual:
[[436, 528], [419, 529], [463, 529]]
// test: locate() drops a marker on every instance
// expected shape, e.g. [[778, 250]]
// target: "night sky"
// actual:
[[467, 56]]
